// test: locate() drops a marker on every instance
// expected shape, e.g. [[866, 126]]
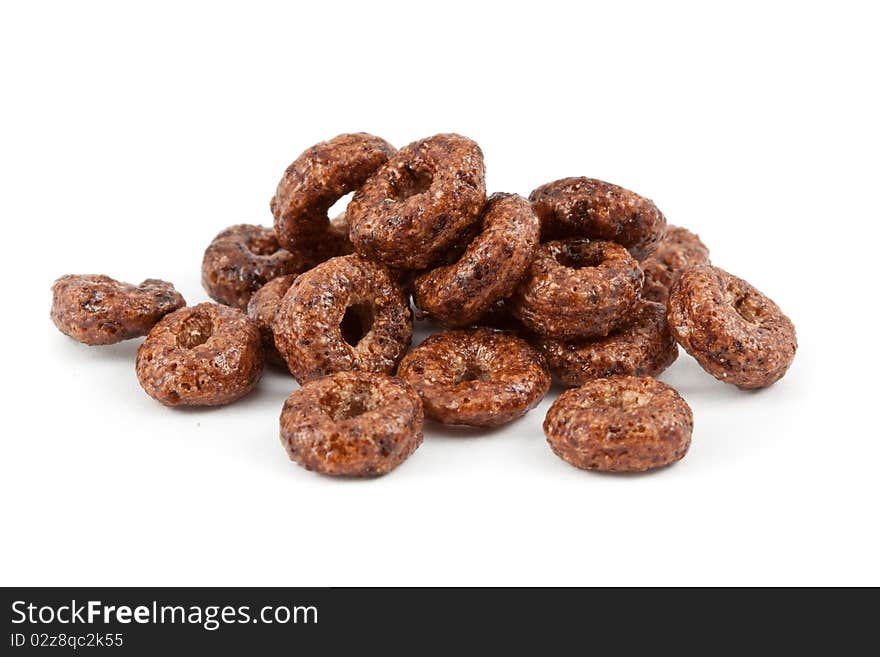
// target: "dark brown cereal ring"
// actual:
[[317, 179], [345, 314], [96, 309], [677, 252], [620, 424], [644, 346], [478, 377], [352, 423], [243, 258], [586, 207], [490, 267], [419, 203], [577, 288], [206, 355], [735, 332], [261, 309]]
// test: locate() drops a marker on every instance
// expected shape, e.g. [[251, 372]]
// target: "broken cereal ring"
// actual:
[[96, 309]]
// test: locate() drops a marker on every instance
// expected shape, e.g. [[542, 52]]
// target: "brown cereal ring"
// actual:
[[345, 314], [96, 309], [206, 355], [620, 424], [678, 251], [419, 203], [261, 309], [478, 377], [317, 179], [577, 288], [644, 346], [488, 270], [357, 424], [586, 207], [735, 332], [243, 258]]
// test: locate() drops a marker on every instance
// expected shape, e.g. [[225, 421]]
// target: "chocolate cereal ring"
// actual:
[[577, 288], [96, 309], [317, 179], [677, 252], [644, 346], [620, 424], [478, 377], [586, 207], [735, 332], [352, 423], [243, 258], [488, 270], [419, 202], [206, 355], [345, 314], [261, 309]]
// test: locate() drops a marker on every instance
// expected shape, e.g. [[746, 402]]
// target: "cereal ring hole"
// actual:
[[410, 183], [579, 255], [340, 206], [357, 322], [746, 308], [632, 399], [348, 401], [625, 400], [470, 371], [195, 330]]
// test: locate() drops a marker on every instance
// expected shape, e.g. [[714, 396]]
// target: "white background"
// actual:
[[130, 136]]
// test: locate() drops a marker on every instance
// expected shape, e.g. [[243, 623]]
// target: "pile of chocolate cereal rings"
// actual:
[[582, 283]]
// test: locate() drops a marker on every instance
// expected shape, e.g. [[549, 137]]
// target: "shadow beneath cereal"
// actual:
[[656, 472], [268, 396], [437, 431], [690, 380], [118, 352]]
